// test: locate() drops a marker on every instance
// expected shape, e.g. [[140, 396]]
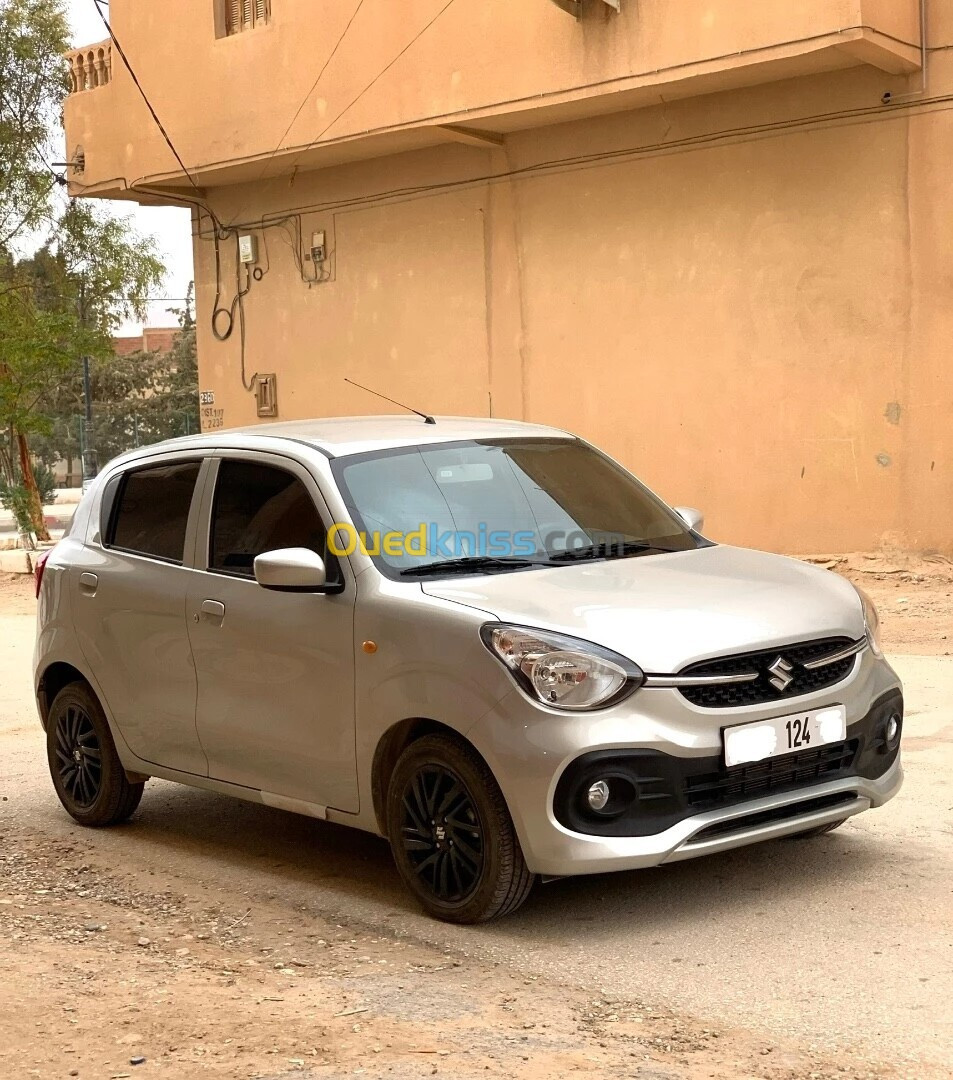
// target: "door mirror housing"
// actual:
[[693, 518], [293, 570]]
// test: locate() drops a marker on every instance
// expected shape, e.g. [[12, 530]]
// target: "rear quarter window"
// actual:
[[146, 511]]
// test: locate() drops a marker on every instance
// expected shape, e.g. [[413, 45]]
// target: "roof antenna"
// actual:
[[426, 419]]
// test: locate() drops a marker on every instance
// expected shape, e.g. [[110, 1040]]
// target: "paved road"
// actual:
[[846, 941]]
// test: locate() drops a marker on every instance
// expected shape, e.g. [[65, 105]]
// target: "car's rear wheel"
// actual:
[[452, 835], [821, 830], [87, 773]]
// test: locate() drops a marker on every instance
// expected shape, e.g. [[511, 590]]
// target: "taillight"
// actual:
[[39, 568]]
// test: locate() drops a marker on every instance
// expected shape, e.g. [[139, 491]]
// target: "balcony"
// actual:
[[407, 77], [91, 67]]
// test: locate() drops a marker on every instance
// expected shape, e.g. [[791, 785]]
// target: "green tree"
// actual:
[[67, 298], [33, 84], [137, 400], [64, 302]]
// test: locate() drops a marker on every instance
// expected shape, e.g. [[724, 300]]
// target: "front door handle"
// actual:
[[213, 609], [89, 583]]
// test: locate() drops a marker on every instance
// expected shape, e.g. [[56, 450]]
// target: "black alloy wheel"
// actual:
[[79, 756], [451, 833], [85, 768], [442, 834]]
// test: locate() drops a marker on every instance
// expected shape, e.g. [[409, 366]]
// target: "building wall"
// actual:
[[749, 307], [405, 70], [152, 339]]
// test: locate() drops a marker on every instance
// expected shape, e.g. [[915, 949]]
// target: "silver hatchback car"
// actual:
[[484, 640]]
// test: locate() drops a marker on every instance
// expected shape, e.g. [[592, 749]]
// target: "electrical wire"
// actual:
[[307, 96], [145, 97], [451, 117], [371, 84], [863, 115], [314, 85], [294, 214]]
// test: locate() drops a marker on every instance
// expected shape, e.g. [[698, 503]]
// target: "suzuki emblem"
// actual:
[[781, 671]]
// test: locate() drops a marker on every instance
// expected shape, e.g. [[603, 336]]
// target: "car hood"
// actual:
[[667, 611]]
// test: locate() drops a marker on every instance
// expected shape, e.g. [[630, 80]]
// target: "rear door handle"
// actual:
[[213, 609], [88, 583]]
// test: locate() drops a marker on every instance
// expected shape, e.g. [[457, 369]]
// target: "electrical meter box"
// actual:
[[248, 248]]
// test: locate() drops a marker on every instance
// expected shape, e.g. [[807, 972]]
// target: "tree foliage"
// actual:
[[138, 399], [69, 276], [62, 303], [33, 83]]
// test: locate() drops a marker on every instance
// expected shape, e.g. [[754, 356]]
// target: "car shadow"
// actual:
[[175, 824]]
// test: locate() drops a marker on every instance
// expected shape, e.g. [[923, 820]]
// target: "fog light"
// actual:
[[892, 731], [598, 795]]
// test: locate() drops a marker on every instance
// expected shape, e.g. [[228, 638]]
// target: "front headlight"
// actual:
[[562, 672], [871, 622]]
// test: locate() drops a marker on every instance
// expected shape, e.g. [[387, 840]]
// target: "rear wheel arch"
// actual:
[[54, 678]]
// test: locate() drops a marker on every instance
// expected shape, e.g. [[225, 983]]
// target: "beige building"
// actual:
[[713, 237]]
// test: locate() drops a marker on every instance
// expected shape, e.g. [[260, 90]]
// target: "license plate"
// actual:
[[785, 735]]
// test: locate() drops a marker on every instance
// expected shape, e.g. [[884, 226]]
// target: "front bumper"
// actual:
[[531, 750]]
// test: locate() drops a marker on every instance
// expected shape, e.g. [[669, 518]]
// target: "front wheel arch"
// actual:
[[391, 745]]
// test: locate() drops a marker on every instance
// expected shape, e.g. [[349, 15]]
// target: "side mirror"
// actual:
[[693, 518], [291, 570]]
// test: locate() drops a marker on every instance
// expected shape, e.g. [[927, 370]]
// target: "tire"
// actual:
[[467, 866], [821, 830], [86, 771]]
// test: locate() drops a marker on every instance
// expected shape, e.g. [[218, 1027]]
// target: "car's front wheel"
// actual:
[[87, 773], [452, 835]]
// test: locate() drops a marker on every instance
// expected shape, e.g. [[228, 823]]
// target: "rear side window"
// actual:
[[260, 508], [150, 511]]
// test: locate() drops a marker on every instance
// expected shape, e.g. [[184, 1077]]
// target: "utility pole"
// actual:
[[90, 460]]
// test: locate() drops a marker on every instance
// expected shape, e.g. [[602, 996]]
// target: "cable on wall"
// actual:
[[413, 41], [314, 86], [863, 115], [145, 97]]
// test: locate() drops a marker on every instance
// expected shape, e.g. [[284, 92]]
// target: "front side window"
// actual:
[[530, 502], [261, 508], [150, 510]]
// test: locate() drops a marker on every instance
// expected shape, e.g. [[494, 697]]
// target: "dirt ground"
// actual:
[[114, 966], [98, 971], [913, 594]]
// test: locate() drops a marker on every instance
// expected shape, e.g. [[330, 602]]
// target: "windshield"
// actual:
[[497, 505]]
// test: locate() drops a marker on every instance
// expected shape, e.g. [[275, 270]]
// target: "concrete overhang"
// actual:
[[486, 128]]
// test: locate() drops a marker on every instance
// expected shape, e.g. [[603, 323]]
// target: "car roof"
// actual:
[[341, 436]]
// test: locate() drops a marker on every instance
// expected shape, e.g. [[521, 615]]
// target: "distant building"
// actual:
[[152, 339], [712, 236]]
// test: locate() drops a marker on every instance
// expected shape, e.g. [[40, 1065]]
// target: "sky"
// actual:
[[169, 225]]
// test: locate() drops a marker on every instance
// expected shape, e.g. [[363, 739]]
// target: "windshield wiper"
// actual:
[[470, 564], [606, 551]]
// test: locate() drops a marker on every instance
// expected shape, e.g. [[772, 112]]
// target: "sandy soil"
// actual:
[[99, 969], [105, 960], [17, 594], [913, 594]]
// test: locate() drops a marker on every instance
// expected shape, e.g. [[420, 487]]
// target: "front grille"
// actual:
[[742, 782], [804, 680]]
